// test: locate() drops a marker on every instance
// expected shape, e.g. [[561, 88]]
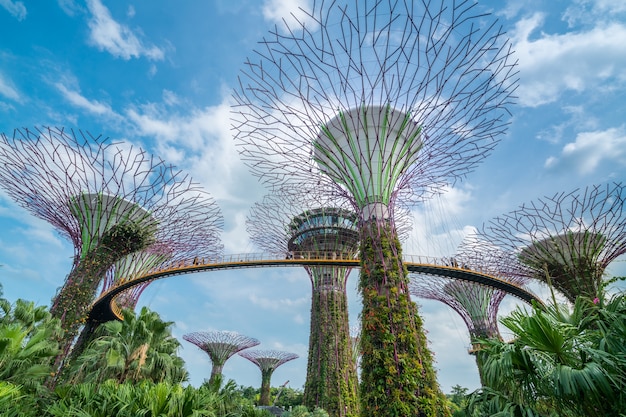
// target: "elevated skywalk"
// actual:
[[105, 308]]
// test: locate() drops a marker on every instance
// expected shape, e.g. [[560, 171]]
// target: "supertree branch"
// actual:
[[431, 80], [267, 361], [108, 199], [220, 346], [302, 226], [188, 227], [476, 304], [566, 240]]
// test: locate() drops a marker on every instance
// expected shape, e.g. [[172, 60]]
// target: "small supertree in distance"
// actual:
[[220, 346], [267, 361], [385, 103], [107, 198], [477, 304], [301, 227], [566, 240]]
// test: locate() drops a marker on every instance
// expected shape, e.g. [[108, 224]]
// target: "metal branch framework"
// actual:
[[384, 103], [567, 239], [295, 225], [477, 304], [267, 361], [220, 346], [109, 199], [385, 97]]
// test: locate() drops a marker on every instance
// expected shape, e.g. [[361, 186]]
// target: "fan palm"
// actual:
[[573, 362], [137, 348], [27, 345]]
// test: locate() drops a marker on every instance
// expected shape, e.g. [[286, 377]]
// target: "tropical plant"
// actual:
[[27, 345], [137, 348], [303, 411], [560, 362], [146, 399]]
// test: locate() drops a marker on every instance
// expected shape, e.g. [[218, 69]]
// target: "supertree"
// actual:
[[301, 227], [220, 346], [109, 199], [565, 240], [383, 102], [477, 304], [267, 361]]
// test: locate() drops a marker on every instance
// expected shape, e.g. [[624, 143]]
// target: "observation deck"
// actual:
[[105, 308]]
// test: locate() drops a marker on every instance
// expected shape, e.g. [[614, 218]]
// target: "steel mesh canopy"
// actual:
[[268, 360], [220, 345], [386, 98], [567, 239], [83, 184]]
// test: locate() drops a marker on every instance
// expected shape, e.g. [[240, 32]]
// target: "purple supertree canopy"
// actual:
[[477, 304], [268, 360], [220, 345], [83, 184], [567, 239], [379, 100]]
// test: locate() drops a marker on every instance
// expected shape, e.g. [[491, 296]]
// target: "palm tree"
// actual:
[[560, 362], [137, 348], [27, 335]]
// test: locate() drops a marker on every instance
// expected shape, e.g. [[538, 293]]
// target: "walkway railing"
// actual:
[[105, 308]]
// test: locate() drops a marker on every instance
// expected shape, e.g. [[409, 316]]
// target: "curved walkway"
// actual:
[[105, 309]]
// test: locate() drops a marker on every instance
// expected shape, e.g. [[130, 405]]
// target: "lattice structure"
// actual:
[[566, 240], [301, 227], [109, 200], [477, 304], [384, 103], [220, 346], [267, 361]]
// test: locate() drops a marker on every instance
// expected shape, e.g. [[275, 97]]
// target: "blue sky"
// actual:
[[159, 74]]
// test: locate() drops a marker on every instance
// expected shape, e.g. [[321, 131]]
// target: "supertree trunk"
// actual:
[[266, 378], [397, 377], [331, 382], [72, 303], [267, 361]]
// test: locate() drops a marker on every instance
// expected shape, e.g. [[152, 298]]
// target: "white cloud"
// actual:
[[70, 7], [16, 9], [291, 11], [285, 304], [91, 106], [590, 149], [576, 61], [115, 38], [7, 90], [593, 11]]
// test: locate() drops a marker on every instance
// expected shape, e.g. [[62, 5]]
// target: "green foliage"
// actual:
[[143, 399], [138, 348], [397, 376], [288, 398], [303, 411], [72, 303], [27, 344], [561, 362], [126, 237]]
